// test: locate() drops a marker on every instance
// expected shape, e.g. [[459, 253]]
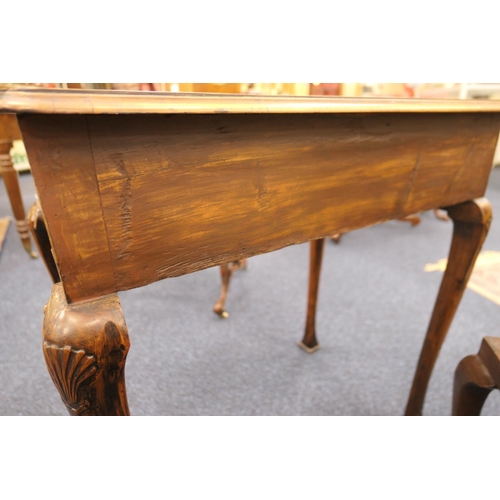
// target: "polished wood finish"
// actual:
[[85, 346], [91, 102], [9, 132], [9, 129], [309, 343], [475, 377], [138, 187], [471, 222]]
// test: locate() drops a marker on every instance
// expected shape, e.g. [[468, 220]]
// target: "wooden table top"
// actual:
[[67, 101]]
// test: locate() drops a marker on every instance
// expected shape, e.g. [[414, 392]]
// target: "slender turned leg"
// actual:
[[471, 221], [11, 180], [475, 377], [85, 345], [226, 271], [38, 229], [309, 342]]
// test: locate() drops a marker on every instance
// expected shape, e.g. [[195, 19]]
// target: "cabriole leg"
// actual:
[[471, 221], [226, 271], [85, 346]]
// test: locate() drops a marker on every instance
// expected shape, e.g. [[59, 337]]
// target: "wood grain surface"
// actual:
[[62, 165], [9, 129], [131, 199]]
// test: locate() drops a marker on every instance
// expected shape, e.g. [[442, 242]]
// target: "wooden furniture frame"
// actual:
[[475, 377], [136, 187], [9, 132]]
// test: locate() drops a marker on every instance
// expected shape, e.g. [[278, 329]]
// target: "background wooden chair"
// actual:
[[475, 377], [9, 132]]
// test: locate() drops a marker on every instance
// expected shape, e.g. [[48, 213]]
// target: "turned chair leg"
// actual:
[[11, 181], [309, 343], [471, 221], [85, 346], [38, 229], [226, 271]]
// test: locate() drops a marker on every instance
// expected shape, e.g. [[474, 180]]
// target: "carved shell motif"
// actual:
[[69, 369]]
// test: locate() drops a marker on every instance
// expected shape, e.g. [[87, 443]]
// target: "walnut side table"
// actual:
[[136, 187]]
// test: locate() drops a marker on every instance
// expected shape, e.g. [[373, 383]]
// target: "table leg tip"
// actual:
[[222, 314], [308, 349]]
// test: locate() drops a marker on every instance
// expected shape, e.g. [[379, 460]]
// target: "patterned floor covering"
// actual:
[[485, 278]]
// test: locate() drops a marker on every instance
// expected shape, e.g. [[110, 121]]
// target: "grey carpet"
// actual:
[[374, 306]]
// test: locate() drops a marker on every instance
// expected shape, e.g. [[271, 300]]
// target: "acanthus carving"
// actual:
[[70, 369]]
